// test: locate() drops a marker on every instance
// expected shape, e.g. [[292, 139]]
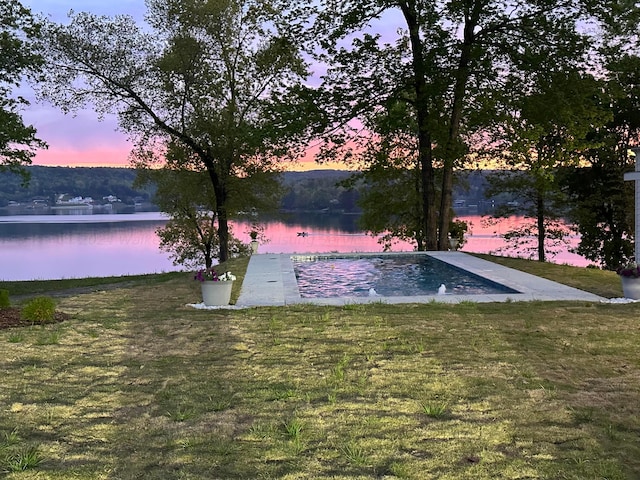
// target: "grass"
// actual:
[[601, 282], [138, 385], [33, 288]]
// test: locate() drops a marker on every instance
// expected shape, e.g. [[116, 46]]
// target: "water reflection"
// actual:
[[57, 246], [341, 234], [284, 238], [78, 249], [323, 222], [486, 237]]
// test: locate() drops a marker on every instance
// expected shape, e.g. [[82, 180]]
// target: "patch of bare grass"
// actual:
[[140, 386], [600, 282]]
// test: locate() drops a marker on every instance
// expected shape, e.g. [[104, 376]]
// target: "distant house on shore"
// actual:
[[67, 201]]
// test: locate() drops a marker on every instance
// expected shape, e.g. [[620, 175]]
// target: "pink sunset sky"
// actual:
[[83, 140]]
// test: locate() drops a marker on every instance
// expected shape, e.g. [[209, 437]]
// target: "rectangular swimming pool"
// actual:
[[386, 275], [271, 280]]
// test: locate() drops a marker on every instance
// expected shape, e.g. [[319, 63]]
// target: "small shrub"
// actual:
[[293, 428], [434, 408], [15, 338], [181, 414], [4, 299], [10, 438], [355, 454], [582, 415], [49, 338], [39, 310], [16, 456], [21, 459]]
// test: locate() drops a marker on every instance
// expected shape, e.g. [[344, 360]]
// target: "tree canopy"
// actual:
[[602, 202], [450, 63], [219, 87], [19, 59], [550, 129], [202, 89]]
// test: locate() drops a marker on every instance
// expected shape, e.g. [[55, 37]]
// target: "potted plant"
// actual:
[[254, 241], [457, 230], [630, 276], [216, 289]]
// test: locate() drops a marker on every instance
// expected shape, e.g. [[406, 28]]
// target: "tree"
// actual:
[[449, 62], [210, 80], [392, 179], [548, 131], [19, 59], [602, 202], [602, 208], [191, 234]]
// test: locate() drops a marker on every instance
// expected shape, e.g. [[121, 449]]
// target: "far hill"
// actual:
[[316, 174], [48, 182], [318, 190], [313, 190]]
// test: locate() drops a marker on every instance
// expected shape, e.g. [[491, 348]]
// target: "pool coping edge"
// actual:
[[270, 281]]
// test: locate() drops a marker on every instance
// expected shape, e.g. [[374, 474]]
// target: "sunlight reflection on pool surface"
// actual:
[[324, 276]]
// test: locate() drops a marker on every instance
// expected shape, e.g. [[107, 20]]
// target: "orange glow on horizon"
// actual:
[[98, 157], [118, 156]]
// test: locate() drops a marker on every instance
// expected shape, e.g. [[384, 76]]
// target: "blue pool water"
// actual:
[[323, 276]]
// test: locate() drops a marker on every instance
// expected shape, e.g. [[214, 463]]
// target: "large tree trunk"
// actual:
[[428, 192], [223, 233], [541, 228], [223, 219], [419, 233], [220, 191], [425, 157], [452, 148]]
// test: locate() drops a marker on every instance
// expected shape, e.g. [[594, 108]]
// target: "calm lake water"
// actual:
[[70, 246]]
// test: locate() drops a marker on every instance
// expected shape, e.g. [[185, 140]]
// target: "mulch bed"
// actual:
[[10, 318]]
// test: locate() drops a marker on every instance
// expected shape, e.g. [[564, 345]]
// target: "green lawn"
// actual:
[[137, 385]]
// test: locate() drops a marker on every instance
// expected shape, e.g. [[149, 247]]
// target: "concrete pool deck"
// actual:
[[270, 281]]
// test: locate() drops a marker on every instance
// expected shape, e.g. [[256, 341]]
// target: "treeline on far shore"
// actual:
[[48, 183], [314, 190]]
